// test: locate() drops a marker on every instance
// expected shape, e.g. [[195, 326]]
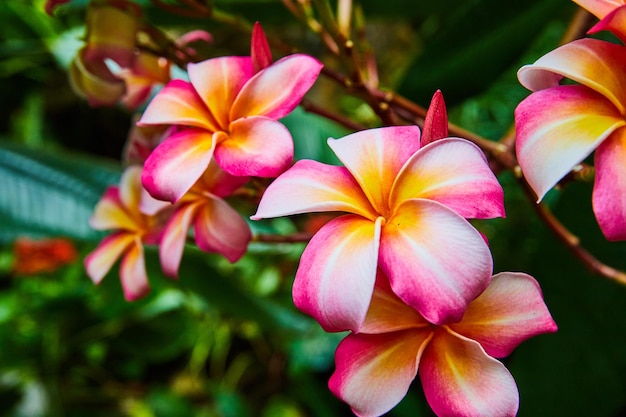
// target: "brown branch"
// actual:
[[311, 107], [196, 12], [572, 242], [293, 238]]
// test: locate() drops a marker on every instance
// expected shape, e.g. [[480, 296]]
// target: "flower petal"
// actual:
[[130, 187], [177, 163], [110, 213], [174, 237], [415, 253], [461, 380], [615, 22], [178, 103], [219, 228], [508, 312], [337, 272], [276, 90], [375, 157], [591, 62], [599, 8], [99, 262], [387, 313], [133, 273], [455, 173], [218, 81], [558, 128], [218, 182], [310, 186], [609, 190], [374, 372], [257, 146]]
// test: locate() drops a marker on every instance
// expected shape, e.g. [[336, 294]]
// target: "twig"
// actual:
[[572, 242], [338, 118], [293, 238]]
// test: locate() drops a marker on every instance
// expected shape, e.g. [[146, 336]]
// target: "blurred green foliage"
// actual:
[[225, 340]]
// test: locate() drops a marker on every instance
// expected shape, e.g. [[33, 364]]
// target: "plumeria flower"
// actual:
[[217, 227], [455, 360], [406, 207], [612, 15], [118, 210], [229, 111], [560, 125]]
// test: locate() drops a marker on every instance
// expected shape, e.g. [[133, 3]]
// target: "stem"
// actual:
[[338, 118], [572, 242], [293, 238]]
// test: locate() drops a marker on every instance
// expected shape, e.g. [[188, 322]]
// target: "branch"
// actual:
[[336, 117], [294, 238], [572, 242]]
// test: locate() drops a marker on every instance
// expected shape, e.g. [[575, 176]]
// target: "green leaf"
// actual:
[[474, 43], [46, 194]]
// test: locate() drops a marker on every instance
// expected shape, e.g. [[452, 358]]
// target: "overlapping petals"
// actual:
[[118, 210], [391, 189], [460, 377], [236, 108], [558, 126], [217, 227], [612, 15]]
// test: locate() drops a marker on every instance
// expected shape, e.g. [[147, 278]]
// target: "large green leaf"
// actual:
[[48, 194]]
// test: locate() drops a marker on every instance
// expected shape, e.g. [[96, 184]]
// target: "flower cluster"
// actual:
[[559, 126], [399, 265]]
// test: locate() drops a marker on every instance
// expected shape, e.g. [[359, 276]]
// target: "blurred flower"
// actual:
[[227, 111], [406, 206], [217, 227], [141, 142], [455, 360], [42, 256], [558, 126], [118, 210]]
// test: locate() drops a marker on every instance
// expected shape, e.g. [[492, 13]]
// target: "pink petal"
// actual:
[[461, 380], [174, 237], [375, 156], [110, 213], [178, 103], [374, 372], [259, 49], [387, 313], [594, 63], [150, 205], [416, 254], [94, 81], [508, 312], [218, 81], [219, 228], [257, 146], [310, 186], [600, 8], [455, 173], [334, 282], [133, 273], [177, 163], [218, 182], [99, 262], [436, 121], [276, 90], [614, 21], [609, 190], [558, 128]]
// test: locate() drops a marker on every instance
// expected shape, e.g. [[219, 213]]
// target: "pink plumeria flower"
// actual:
[[217, 227], [560, 125], [227, 111], [406, 206], [118, 210], [455, 360]]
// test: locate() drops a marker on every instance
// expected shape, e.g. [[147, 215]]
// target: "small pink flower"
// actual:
[[558, 126], [118, 210], [406, 207], [227, 111], [217, 227], [455, 360]]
